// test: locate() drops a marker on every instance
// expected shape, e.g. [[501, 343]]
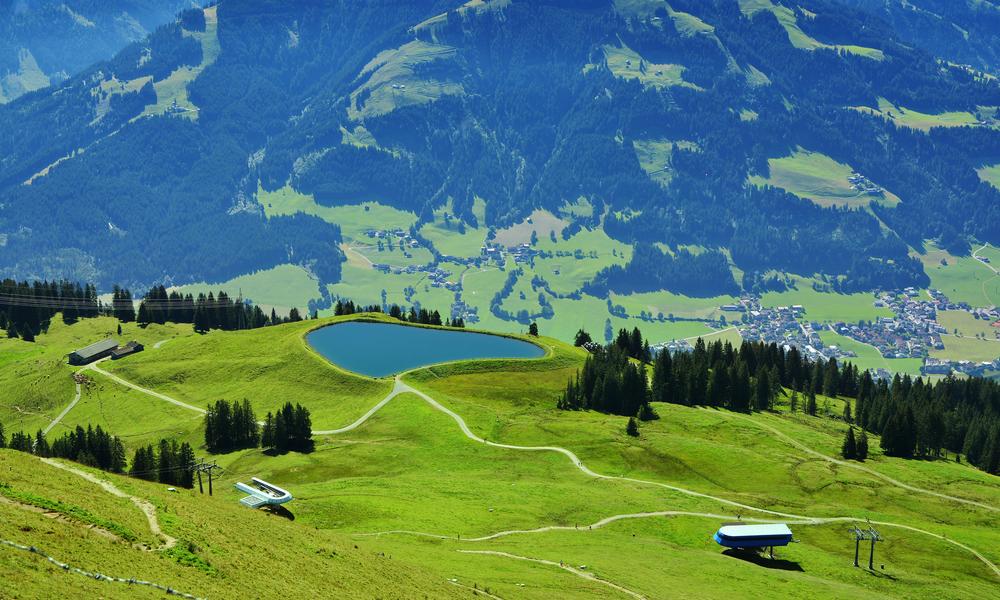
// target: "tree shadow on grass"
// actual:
[[761, 560]]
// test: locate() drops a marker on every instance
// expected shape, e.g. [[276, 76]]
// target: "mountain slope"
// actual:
[[48, 41], [524, 104]]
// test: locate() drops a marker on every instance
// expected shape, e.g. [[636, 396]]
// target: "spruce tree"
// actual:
[[3, 438], [847, 412], [632, 428], [533, 329], [793, 402], [862, 449], [811, 404], [849, 449]]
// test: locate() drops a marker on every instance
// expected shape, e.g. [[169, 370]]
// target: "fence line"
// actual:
[[95, 575]]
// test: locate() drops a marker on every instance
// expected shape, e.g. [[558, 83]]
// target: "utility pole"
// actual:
[[204, 467], [870, 534]]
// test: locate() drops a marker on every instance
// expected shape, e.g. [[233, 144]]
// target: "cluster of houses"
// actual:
[[937, 366], [461, 310], [910, 334], [783, 325], [493, 252], [403, 236], [863, 185]]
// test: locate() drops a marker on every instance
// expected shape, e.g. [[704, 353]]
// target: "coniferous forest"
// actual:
[[914, 418]]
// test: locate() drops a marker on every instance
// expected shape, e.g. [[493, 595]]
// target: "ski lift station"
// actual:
[[753, 536], [262, 493]]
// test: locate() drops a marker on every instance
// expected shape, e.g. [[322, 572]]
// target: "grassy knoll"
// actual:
[[991, 175], [968, 348], [905, 117], [960, 322], [796, 36], [826, 307], [818, 178], [281, 287], [962, 279], [868, 357], [35, 377], [268, 366], [224, 548]]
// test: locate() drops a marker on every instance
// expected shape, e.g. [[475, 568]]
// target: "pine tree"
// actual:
[[41, 445], [847, 412], [862, 449], [793, 402], [849, 449], [811, 404], [3, 438], [582, 338], [186, 460], [632, 428], [533, 329]]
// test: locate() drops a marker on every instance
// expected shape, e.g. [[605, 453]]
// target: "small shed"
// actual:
[[95, 351], [129, 348]]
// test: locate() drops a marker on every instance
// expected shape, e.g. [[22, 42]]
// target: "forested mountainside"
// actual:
[[669, 119], [962, 31], [43, 42]]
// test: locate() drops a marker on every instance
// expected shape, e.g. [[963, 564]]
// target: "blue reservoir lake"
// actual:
[[382, 349]]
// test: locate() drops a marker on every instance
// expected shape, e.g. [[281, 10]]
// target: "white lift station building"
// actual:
[[262, 493]]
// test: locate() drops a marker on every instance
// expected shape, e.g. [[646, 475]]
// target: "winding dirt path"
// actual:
[[563, 566], [401, 387], [859, 467], [139, 388], [145, 506], [64, 412]]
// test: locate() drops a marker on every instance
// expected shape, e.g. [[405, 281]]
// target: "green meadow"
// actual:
[[991, 175], [798, 38], [281, 287], [820, 179], [962, 279], [905, 117], [410, 468], [868, 357], [825, 307]]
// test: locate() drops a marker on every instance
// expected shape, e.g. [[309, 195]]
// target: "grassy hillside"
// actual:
[[403, 500], [223, 550]]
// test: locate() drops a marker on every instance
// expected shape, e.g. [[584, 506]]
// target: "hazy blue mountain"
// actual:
[[46, 41], [962, 31], [666, 118]]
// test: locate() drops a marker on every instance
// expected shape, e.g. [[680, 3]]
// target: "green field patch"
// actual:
[[905, 117], [28, 77], [472, 7], [581, 209], [800, 39], [820, 179], [268, 366], [968, 348], [541, 222], [669, 303], [868, 357], [825, 307], [963, 323], [172, 93], [961, 278], [685, 23], [390, 81], [990, 174], [656, 157], [281, 287], [451, 236], [354, 219], [37, 383], [626, 63]]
